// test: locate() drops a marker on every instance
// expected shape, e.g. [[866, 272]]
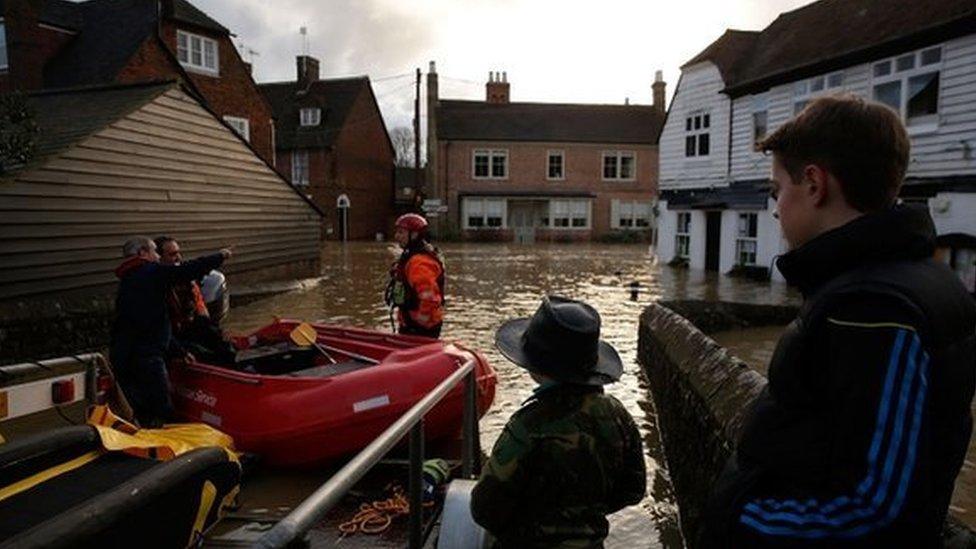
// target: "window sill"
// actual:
[[565, 228], [476, 178], [631, 180], [484, 228], [201, 70], [923, 129], [557, 179]]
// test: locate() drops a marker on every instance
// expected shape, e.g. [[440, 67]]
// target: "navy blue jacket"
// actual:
[[859, 435], [142, 322]]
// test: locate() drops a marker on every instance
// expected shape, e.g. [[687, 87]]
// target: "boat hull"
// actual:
[[302, 421]]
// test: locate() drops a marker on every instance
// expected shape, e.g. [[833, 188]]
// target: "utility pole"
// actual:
[[416, 135]]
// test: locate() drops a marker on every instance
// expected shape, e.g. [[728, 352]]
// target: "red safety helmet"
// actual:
[[412, 222]]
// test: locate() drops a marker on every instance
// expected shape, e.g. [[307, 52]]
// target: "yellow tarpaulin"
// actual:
[[162, 444]]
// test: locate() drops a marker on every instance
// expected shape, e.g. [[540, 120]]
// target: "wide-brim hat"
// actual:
[[561, 341]]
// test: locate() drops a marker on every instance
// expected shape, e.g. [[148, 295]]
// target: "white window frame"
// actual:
[[300, 168], [4, 61], [492, 155], [806, 90], [618, 168], [480, 206], [634, 210], [185, 52], [310, 116], [925, 124], [682, 236], [575, 209], [697, 124], [562, 165], [744, 238], [241, 125], [760, 105]]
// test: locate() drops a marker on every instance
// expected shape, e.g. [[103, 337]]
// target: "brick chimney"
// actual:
[[496, 90], [308, 69], [659, 88]]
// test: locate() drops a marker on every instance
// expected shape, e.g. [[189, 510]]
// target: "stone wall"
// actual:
[[702, 395]]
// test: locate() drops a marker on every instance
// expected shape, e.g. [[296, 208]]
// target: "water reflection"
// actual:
[[490, 283]]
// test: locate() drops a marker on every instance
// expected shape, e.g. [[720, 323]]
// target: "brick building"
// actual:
[[62, 44], [333, 144], [542, 171]]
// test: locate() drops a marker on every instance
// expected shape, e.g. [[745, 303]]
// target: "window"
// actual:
[[554, 165], [241, 125], [745, 242], [197, 52], [3, 45], [760, 109], [310, 116], [682, 237], [697, 141], [619, 165], [299, 167], [806, 90], [490, 164], [482, 213], [569, 214], [629, 214], [909, 84]]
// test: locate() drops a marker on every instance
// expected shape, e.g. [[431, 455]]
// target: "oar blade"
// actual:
[[304, 335]]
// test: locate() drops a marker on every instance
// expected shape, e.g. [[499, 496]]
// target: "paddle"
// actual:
[[304, 335]]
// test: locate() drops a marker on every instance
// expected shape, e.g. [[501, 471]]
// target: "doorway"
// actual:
[[521, 219], [713, 240]]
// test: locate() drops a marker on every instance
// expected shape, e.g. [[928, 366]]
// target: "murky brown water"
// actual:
[[755, 347], [490, 283]]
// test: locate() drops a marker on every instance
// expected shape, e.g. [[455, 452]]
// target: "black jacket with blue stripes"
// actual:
[[864, 425]]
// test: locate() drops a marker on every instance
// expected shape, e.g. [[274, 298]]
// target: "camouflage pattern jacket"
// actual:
[[569, 457]]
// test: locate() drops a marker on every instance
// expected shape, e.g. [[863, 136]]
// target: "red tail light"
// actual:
[[103, 385], [63, 391]]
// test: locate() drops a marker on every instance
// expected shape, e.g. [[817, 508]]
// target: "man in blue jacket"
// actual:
[[142, 333], [859, 436]]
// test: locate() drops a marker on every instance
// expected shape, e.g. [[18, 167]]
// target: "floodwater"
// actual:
[[490, 283], [755, 347]]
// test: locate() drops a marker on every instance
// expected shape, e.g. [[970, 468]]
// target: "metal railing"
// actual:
[[296, 525]]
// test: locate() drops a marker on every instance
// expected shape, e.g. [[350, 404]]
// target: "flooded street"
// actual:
[[490, 283]]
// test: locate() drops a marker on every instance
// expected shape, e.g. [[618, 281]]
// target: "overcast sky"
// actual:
[[552, 50]]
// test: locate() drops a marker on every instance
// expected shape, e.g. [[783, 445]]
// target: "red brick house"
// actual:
[[542, 171], [333, 143], [62, 44]]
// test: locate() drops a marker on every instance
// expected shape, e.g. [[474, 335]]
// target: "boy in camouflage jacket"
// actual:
[[572, 454]]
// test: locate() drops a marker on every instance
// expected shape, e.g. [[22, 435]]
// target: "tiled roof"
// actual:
[[185, 12], [482, 121], [335, 97], [727, 52], [109, 33], [67, 116], [830, 34]]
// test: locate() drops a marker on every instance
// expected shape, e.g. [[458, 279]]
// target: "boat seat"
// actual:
[[329, 370]]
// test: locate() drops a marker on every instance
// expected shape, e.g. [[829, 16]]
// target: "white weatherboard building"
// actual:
[[715, 211]]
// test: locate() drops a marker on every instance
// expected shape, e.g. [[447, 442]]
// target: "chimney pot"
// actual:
[[658, 89], [432, 68], [659, 76], [308, 69], [504, 76]]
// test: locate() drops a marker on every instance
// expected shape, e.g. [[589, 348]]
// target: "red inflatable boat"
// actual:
[[295, 407]]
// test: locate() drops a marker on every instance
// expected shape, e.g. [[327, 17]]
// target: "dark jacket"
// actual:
[[142, 321], [858, 438], [568, 458]]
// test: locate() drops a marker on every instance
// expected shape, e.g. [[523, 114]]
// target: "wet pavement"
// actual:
[[488, 284]]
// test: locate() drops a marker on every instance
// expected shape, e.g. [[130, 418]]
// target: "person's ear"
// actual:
[[817, 188]]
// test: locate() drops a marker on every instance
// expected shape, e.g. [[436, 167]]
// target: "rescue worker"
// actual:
[[858, 437], [142, 332], [416, 287], [193, 328], [572, 454]]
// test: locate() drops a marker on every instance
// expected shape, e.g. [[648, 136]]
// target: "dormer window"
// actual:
[[310, 116], [197, 53]]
